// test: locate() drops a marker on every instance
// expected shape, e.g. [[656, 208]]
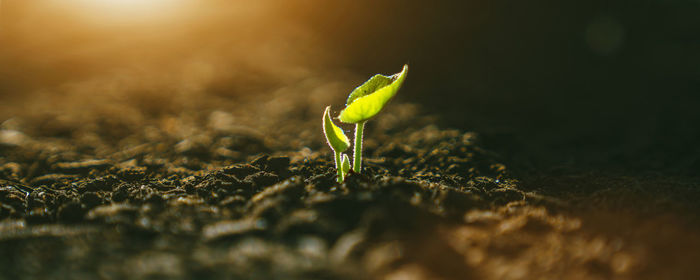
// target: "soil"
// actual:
[[225, 194]]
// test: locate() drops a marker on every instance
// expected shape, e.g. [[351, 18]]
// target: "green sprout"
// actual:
[[337, 140], [364, 102], [345, 163]]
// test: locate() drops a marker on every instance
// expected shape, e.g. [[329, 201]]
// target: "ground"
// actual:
[[246, 190]]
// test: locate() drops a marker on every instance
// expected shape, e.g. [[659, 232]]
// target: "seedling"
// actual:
[[337, 140], [364, 102]]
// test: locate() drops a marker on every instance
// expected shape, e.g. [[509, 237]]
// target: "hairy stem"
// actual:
[[339, 167], [357, 156]]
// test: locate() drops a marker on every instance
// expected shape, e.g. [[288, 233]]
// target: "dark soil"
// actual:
[[227, 201]]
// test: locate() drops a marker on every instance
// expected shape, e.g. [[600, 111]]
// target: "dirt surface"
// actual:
[[220, 194]]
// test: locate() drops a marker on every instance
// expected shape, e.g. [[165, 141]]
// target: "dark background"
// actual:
[[589, 84], [582, 85]]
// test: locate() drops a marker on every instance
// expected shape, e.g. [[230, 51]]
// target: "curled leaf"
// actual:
[[334, 135], [369, 99]]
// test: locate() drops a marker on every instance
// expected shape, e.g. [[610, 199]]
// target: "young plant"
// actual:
[[338, 142], [365, 102]]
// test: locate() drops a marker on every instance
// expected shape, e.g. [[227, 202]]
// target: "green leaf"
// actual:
[[373, 84], [334, 135], [345, 164], [369, 99]]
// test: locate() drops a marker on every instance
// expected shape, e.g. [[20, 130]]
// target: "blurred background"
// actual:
[[611, 85]]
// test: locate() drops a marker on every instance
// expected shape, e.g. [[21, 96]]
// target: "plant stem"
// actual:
[[338, 167], [357, 156]]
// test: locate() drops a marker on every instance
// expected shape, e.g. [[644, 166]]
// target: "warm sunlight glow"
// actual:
[[129, 10]]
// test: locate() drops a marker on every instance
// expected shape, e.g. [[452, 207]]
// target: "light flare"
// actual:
[[129, 11]]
